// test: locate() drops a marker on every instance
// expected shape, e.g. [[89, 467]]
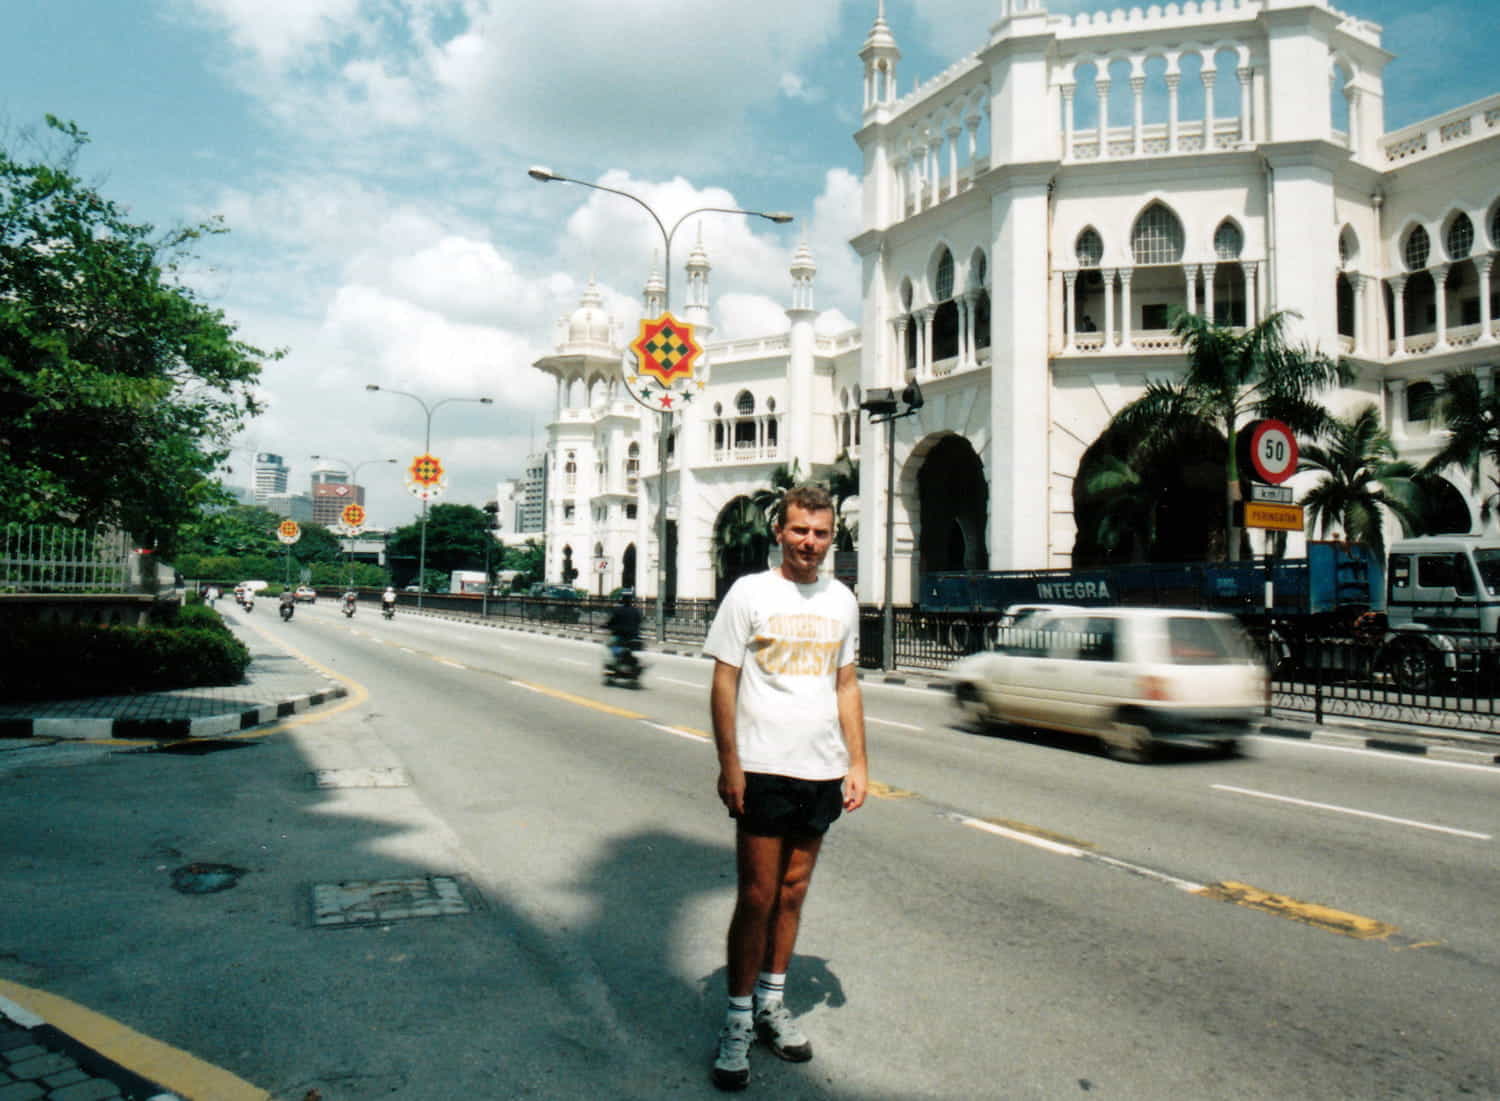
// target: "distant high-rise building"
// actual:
[[331, 492], [531, 510], [292, 506], [270, 476]]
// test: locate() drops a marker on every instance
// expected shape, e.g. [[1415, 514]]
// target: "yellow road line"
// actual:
[[1308, 913], [581, 701], [885, 791], [180, 1072]]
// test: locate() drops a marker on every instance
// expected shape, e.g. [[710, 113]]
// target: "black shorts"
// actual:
[[784, 806]]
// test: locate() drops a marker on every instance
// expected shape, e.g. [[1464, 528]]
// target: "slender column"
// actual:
[[1173, 80], [1127, 316], [1398, 304], [972, 122], [1138, 119], [1067, 105], [1109, 306], [1101, 87], [954, 133], [1252, 305], [1484, 297], [898, 172], [962, 303], [1208, 291], [1210, 77], [935, 159], [1070, 280], [1395, 413], [1361, 323], [972, 319], [924, 341], [1440, 286], [1356, 109], [1243, 73], [1192, 287], [901, 324]]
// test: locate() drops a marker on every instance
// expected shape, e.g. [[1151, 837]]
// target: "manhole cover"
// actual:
[[325, 778], [205, 879], [371, 901]]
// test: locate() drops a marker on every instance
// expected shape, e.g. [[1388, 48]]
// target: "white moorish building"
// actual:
[[1031, 217], [792, 397], [1032, 214]]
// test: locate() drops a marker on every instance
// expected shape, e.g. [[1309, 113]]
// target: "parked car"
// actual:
[[1134, 678], [305, 594]]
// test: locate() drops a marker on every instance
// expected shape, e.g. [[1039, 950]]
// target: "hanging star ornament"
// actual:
[[665, 365]]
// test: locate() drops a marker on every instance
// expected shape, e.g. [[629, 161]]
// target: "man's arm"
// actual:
[[852, 721], [722, 700]]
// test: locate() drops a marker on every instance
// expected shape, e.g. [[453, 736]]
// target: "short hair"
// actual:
[[812, 498]]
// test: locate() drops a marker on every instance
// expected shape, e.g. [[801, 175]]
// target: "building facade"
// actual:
[[1032, 218], [270, 476], [1033, 215], [788, 399]]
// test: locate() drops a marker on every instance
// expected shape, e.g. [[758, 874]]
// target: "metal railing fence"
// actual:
[[42, 558]]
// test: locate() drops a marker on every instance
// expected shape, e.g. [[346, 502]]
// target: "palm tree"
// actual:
[[783, 478], [1125, 506], [1472, 421], [1233, 374], [843, 483], [1363, 479]]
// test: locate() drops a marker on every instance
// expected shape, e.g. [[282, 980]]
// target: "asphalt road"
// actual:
[[1013, 916]]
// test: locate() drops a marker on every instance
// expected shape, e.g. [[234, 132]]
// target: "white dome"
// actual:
[[589, 324]]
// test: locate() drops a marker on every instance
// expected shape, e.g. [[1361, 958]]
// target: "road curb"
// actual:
[[177, 729], [1385, 742]]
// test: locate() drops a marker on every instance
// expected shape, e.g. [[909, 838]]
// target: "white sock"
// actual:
[[769, 987], [739, 1009]]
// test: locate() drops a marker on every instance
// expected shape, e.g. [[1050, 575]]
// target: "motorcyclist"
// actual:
[[624, 627], [388, 601], [351, 598], [288, 603]]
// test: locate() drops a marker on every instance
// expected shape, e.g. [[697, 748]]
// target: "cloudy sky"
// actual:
[[369, 158]]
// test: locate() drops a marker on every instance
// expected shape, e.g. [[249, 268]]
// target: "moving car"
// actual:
[[1134, 678], [305, 594]]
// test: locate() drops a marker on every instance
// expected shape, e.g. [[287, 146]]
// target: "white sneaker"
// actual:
[[732, 1066], [780, 1033]]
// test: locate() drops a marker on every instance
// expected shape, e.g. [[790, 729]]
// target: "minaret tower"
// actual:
[[880, 54], [655, 294], [696, 310], [802, 348]]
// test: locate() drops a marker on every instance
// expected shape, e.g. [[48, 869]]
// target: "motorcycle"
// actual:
[[286, 612], [622, 666], [248, 603], [348, 608], [389, 611]]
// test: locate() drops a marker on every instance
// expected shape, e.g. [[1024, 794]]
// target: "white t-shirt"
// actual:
[[789, 642]]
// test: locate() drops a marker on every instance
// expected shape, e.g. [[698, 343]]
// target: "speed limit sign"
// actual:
[[1273, 451]]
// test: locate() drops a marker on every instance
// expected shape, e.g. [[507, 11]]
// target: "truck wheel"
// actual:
[[1414, 667]]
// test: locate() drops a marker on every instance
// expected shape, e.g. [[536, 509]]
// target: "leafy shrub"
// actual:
[[59, 660]]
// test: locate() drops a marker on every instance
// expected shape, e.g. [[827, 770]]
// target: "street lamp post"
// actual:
[[428, 411], [353, 470], [545, 175], [881, 405]]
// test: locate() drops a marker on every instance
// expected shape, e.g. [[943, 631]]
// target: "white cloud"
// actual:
[[794, 87]]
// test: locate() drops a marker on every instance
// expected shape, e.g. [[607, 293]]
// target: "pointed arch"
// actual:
[[1156, 237]]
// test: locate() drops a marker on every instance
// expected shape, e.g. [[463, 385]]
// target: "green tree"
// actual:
[[1233, 374], [234, 531], [119, 389], [843, 483], [1471, 419], [1363, 479], [458, 538], [530, 562]]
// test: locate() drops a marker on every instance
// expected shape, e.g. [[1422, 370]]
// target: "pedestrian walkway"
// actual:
[[276, 684]]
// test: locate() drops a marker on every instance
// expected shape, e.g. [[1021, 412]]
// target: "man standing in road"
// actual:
[[790, 732]]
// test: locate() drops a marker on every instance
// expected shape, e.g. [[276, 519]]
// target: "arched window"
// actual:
[[1416, 250], [1089, 248], [1348, 247], [744, 404], [1495, 227], [1229, 242], [1459, 240], [633, 464], [1420, 397], [943, 280], [770, 405], [978, 270], [1157, 237]]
